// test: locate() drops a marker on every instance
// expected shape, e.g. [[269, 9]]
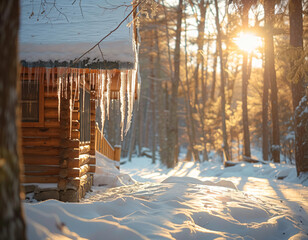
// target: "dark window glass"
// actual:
[[30, 101]]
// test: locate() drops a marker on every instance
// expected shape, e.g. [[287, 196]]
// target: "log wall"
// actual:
[[51, 147]]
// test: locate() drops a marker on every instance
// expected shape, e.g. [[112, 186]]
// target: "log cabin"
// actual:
[[59, 98]]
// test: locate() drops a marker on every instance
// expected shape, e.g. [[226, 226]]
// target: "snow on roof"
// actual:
[[61, 30]]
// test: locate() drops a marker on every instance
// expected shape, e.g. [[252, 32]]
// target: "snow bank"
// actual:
[[107, 174], [191, 201]]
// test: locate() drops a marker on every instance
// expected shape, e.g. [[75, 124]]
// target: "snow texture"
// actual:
[[62, 31], [191, 201]]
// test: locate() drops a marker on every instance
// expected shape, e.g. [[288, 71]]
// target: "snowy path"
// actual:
[[192, 201]]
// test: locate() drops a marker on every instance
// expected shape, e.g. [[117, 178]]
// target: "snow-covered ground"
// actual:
[[192, 201]]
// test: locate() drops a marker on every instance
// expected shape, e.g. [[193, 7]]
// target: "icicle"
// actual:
[[71, 101], [108, 92], [59, 84], [123, 101], [129, 104], [84, 89], [53, 78], [48, 78], [103, 111], [66, 78]]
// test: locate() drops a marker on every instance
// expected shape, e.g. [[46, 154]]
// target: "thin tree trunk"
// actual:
[[214, 75], [173, 118], [152, 97], [298, 89], [244, 88], [12, 225], [189, 119], [222, 85], [269, 12]]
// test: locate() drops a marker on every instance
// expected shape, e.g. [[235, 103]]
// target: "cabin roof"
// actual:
[[62, 32]]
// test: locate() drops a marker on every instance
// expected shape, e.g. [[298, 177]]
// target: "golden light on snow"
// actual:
[[248, 41]]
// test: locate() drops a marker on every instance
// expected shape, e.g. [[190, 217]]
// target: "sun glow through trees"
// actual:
[[248, 42]]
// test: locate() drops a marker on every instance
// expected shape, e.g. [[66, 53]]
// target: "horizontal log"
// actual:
[[67, 143], [33, 170], [84, 149], [40, 141], [84, 159], [62, 183], [70, 153], [92, 168], [43, 151], [84, 169], [73, 163], [40, 132], [40, 179], [75, 134], [73, 172], [39, 160], [52, 123], [51, 113], [51, 102], [92, 160]]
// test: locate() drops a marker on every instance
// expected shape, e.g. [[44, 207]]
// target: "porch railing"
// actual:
[[104, 147]]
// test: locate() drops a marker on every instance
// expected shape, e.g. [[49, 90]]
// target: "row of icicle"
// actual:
[[67, 78]]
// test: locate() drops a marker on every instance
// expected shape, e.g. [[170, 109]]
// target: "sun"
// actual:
[[248, 41]]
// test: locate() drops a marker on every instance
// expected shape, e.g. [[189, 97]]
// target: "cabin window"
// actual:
[[85, 118], [30, 101]]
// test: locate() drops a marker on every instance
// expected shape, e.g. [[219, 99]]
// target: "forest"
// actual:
[[257, 102], [206, 101]]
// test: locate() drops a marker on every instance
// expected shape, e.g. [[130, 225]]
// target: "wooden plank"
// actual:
[[37, 160], [43, 151], [40, 179], [40, 132], [40, 141]]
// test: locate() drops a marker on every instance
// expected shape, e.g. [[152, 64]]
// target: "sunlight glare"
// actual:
[[248, 42]]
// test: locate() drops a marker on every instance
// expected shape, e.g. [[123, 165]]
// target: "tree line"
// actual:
[[201, 91]]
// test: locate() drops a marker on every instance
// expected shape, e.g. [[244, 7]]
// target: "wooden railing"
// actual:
[[104, 147]]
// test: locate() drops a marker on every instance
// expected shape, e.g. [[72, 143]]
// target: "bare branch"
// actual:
[[138, 4]]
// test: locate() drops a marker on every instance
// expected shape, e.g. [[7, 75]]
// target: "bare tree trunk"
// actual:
[[153, 102], [269, 12], [265, 130], [12, 225], [298, 89], [247, 153], [173, 118], [214, 75], [222, 87], [191, 151]]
